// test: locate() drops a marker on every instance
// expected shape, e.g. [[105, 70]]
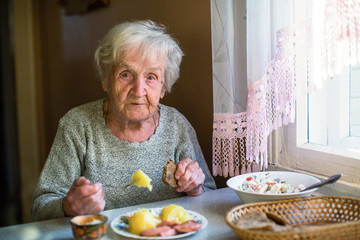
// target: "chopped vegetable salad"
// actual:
[[268, 185]]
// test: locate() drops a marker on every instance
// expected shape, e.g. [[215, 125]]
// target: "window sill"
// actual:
[[347, 147]]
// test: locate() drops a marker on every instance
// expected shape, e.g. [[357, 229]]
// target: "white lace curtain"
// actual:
[[262, 58]]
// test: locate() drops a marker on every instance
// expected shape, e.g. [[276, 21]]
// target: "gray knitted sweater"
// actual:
[[84, 146]]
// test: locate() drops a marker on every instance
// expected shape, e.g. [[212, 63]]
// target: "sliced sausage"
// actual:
[[188, 226], [167, 223], [155, 231], [170, 232]]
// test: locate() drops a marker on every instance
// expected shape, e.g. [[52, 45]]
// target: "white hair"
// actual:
[[147, 37]]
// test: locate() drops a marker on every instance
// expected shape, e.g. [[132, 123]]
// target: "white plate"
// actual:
[[120, 227]]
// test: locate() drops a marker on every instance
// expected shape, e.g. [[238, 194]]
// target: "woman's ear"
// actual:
[[163, 91], [104, 85]]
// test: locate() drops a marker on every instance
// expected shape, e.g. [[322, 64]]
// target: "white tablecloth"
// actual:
[[212, 205]]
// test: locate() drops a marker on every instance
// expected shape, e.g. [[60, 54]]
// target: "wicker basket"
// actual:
[[332, 218]]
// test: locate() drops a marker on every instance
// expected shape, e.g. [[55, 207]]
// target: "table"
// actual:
[[212, 204]]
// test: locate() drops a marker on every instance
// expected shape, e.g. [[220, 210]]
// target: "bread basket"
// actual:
[[331, 217]]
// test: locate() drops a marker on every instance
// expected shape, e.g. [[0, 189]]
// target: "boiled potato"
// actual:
[[174, 213], [141, 179], [142, 220]]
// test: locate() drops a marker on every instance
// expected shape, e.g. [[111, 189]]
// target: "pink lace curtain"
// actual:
[[287, 53]]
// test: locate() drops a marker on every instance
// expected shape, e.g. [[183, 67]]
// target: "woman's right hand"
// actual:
[[84, 198]]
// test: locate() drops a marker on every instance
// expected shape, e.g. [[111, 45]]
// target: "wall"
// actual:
[[68, 44], [65, 76]]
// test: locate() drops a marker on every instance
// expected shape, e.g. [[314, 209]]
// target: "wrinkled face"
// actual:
[[136, 87]]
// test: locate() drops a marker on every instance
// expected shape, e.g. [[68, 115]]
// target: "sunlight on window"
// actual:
[[355, 101], [334, 112]]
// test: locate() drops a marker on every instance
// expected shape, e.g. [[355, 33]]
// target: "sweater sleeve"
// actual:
[[190, 147], [209, 183], [63, 166]]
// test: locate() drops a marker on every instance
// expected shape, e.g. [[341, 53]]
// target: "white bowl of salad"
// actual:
[[271, 185]]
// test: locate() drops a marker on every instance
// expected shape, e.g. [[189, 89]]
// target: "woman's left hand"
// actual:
[[190, 177]]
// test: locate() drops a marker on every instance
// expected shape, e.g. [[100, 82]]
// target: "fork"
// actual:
[[113, 186], [119, 187]]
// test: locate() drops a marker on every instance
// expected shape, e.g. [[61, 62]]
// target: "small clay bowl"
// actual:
[[89, 226]]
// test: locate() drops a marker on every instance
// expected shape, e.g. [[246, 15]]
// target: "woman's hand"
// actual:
[[190, 177], [84, 198]]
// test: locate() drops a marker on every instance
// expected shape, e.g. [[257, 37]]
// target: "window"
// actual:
[[333, 113], [355, 101], [325, 137]]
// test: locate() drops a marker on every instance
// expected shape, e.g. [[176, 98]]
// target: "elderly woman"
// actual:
[[99, 145]]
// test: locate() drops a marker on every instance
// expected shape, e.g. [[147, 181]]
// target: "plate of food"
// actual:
[[169, 222]]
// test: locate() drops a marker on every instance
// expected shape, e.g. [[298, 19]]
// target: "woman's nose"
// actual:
[[139, 87]]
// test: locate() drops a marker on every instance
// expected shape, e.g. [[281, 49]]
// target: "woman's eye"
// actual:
[[151, 77], [125, 75]]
